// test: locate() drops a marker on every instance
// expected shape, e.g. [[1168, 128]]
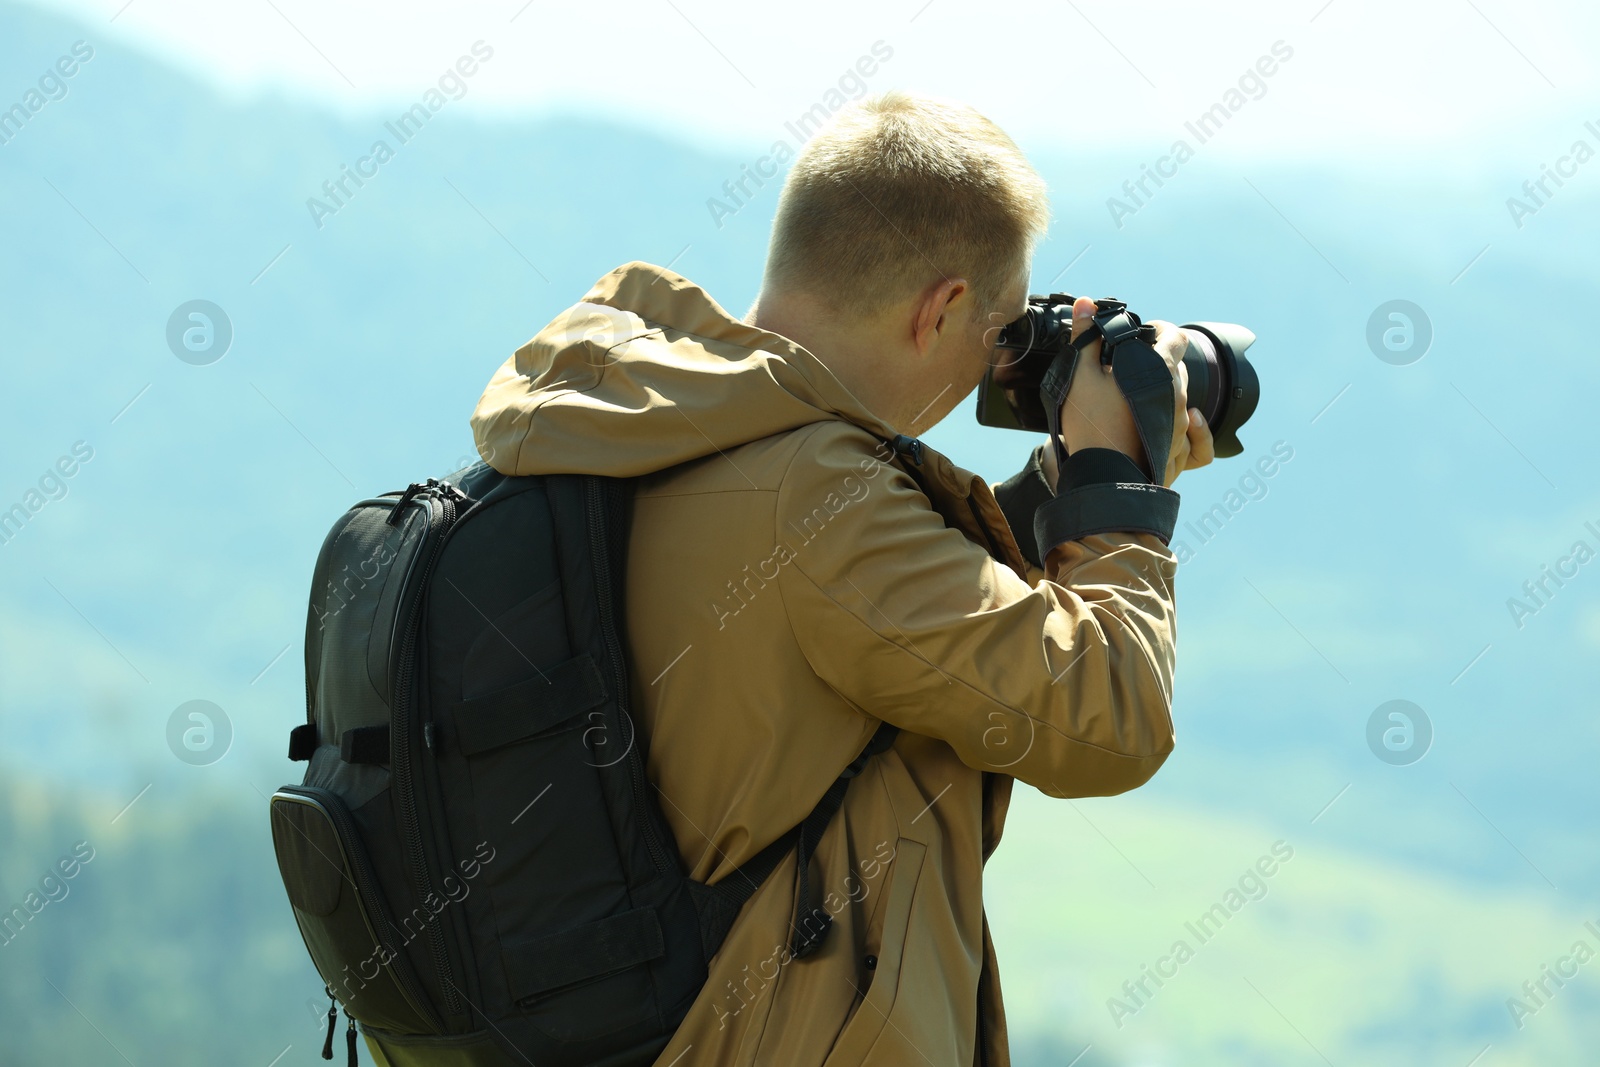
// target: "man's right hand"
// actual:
[[1096, 414]]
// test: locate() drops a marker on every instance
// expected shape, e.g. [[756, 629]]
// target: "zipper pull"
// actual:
[[333, 1017], [350, 1039], [447, 489], [399, 509], [427, 734]]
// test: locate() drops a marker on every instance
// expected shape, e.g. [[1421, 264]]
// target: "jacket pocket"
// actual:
[[872, 1014]]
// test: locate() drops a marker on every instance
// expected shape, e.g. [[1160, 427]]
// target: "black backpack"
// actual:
[[476, 859]]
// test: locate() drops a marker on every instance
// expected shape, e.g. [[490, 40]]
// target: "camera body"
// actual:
[[1222, 382]]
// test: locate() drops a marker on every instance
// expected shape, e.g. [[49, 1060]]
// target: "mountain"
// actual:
[[1409, 503]]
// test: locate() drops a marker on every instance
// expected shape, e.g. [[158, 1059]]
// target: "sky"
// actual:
[[1483, 78]]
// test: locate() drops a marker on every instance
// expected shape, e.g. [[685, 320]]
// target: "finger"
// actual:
[[1179, 461], [1180, 396], [1171, 342], [1202, 449], [1180, 440], [1083, 310]]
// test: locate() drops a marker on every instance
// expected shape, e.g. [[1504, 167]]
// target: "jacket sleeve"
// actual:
[[1066, 684]]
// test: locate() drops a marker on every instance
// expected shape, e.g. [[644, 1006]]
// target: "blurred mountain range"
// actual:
[[1375, 564]]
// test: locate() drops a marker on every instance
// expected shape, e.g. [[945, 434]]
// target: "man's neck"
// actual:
[[850, 349]]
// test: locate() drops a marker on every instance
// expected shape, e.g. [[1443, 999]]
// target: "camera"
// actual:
[[1222, 382]]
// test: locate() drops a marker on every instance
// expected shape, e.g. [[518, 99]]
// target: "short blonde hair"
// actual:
[[898, 191]]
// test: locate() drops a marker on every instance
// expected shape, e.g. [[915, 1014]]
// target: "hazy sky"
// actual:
[[1485, 77]]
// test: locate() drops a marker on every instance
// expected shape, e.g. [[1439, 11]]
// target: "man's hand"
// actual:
[[1191, 437], [1096, 414]]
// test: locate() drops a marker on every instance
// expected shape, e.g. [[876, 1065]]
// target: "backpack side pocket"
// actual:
[[342, 914]]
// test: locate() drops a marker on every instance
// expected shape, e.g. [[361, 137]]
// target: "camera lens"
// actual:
[[1205, 375], [1222, 382]]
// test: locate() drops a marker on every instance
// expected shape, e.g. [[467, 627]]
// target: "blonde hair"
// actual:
[[898, 191]]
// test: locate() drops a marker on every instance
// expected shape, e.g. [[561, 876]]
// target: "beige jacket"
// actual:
[[790, 583]]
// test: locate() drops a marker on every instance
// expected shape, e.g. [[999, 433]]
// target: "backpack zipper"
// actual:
[[601, 559], [400, 734]]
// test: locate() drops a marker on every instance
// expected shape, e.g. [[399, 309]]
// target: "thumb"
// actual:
[[1083, 310]]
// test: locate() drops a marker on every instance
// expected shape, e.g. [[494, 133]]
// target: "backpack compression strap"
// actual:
[[720, 903]]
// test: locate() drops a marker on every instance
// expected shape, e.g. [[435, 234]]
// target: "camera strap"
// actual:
[[1142, 375], [1146, 383]]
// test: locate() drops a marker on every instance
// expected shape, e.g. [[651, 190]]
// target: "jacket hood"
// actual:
[[647, 372]]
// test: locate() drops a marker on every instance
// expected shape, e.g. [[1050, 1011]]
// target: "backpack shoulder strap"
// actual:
[[719, 904]]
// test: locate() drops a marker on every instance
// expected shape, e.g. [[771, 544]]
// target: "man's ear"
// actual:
[[929, 321]]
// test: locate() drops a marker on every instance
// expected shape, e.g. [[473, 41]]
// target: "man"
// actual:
[[801, 570]]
